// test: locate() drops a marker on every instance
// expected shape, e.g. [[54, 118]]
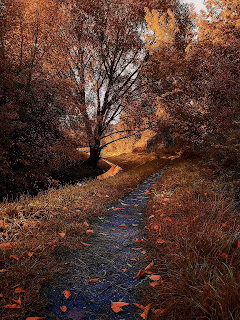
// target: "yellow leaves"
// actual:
[[66, 294], [117, 306]]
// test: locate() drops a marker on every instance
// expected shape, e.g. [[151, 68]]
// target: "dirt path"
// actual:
[[112, 258]]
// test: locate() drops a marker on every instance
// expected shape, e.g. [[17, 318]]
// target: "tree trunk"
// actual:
[[95, 151]]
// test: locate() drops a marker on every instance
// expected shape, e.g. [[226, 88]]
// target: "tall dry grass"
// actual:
[[195, 246]]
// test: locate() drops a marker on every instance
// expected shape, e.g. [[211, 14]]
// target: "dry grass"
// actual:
[[193, 232], [37, 230]]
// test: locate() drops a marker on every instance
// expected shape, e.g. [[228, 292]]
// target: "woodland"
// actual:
[[136, 82]]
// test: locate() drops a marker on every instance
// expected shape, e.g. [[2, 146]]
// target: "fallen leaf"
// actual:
[[156, 227], [66, 294], [14, 256], [224, 255], [139, 240], [152, 216], [155, 277], [89, 231], [124, 270], [122, 225], [116, 306], [55, 212], [99, 195], [1, 295], [166, 199], [6, 245], [86, 224], [3, 270], [30, 254], [145, 313], [19, 290], [133, 259], [154, 283], [85, 244], [35, 318], [140, 274], [159, 240], [167, 219], [52, 242], [64, 208], [13, 306], [136, 205], [148, 267], [117, 247], [224, 225], [63, 308], [138, 306], [62, 234], [18, 301], [93, 280], [143, 251]]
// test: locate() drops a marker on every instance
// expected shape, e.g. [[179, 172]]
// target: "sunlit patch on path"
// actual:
[[106, 271]]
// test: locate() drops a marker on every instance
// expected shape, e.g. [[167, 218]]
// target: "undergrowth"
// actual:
[[194, 235], [33, 229]]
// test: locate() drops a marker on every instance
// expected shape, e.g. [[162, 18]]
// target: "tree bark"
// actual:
[[95, 151]]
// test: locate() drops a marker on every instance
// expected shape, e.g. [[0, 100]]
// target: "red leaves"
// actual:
[[117, 306]]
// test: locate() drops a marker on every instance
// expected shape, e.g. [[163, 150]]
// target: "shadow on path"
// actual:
[[109, 260]]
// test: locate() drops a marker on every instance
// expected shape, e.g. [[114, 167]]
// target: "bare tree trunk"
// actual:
[[95, 151]]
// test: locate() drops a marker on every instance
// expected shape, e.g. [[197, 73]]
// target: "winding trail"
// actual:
[[109, 260]]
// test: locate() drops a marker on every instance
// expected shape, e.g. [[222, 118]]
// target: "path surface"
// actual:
[[108, 259]]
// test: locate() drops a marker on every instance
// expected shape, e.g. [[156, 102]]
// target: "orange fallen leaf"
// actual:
[[14, 256], [62, 234], [133, 259], [155, 277], [143, 251], [148, 267], [89, 231], [154, 283], [3, 270], [138, 306], [86, 224], [156, 227], [145, 313], [55, 212], [63, 308], [224, 255], [93, 280], [85, 244], [152, 216], [139, 240], [99, 195], [224, 225], [18, 301], [30, 254], [122, 225], [116, 306], [136, 205], [13, 306], [159, 240], [35, 318], [139, 274], [1, 295], [166, 199], [19, 290], [52, 242], [66, 294], [6, 245], [124, 270]]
